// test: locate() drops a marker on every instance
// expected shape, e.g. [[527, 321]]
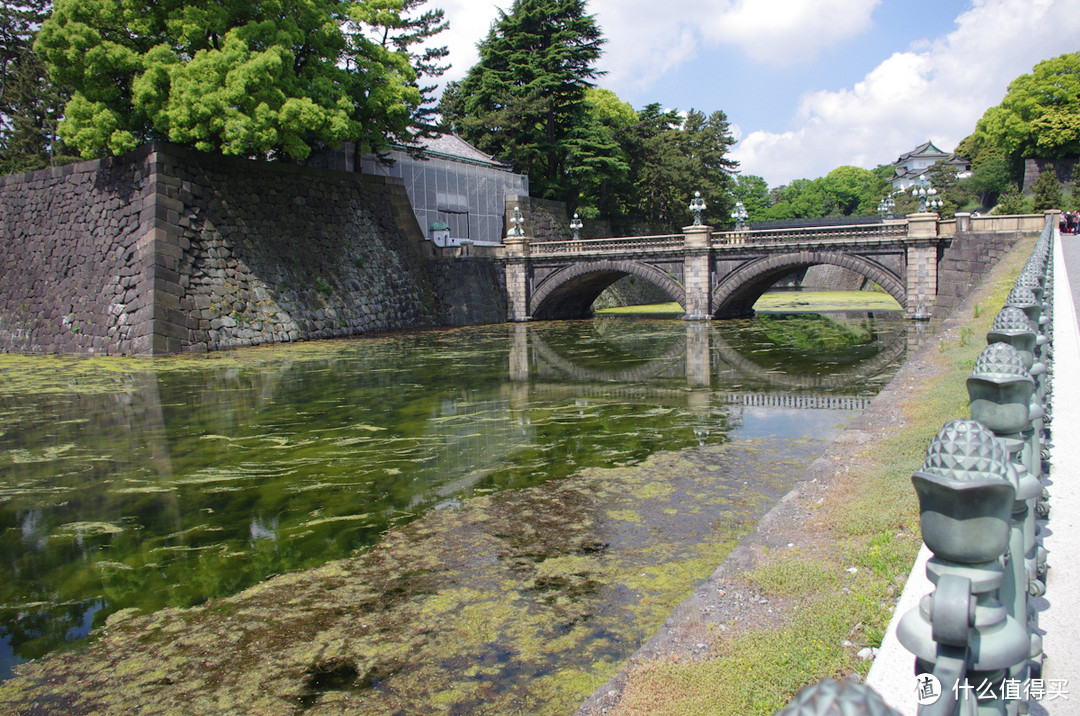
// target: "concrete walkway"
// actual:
[[892, 674]]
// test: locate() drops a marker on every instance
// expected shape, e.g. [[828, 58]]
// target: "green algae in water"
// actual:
[[225, 471], [521, 601]]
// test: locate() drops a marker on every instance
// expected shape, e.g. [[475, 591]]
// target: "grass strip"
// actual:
[[834, 593]]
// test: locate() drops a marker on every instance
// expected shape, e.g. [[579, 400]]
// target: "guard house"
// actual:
[[910, 169], [456, 191]]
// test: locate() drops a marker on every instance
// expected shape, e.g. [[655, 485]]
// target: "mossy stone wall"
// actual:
[[76, 258], [168, 250]]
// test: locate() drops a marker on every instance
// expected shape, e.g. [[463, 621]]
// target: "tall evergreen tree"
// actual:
[[662, 171], [596, 161], [1047, 192], [706, 142], [526, 96], [30, 104]]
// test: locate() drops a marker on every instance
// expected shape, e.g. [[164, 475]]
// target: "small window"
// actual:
[[458, 221]]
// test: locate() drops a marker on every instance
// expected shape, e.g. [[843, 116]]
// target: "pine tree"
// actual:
[[30, 104], [1047, 191], [409, 31], [526, 96]]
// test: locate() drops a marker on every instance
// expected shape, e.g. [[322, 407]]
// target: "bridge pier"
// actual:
[[697, 276], [922, 266], [517, 289]]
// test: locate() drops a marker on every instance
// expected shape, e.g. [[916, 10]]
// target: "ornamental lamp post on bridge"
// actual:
[[576, 226], [697, 205], [928, 200], [740, 216], [885, 207]]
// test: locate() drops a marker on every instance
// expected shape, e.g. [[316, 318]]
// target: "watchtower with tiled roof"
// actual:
[[911, 167]]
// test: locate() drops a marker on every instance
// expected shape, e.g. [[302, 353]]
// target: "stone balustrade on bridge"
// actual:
[[721, 274]]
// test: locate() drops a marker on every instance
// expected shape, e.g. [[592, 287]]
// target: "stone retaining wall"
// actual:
[[964, 262], [271, 252], [470, 290], [168, 250], [76, 258]]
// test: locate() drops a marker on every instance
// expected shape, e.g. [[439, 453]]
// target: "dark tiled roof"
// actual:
[[451, 146], [922, 149]]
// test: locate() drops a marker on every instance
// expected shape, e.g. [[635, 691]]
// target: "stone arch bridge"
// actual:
[[721, 274]]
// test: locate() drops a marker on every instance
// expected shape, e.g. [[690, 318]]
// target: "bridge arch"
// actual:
[[737, 292], [570, 291]]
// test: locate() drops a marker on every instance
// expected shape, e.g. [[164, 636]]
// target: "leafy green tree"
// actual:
[[800, 199], [525, 97], [991, 175], [884, 172], [753, 192], [1040, 115], [853, 191], [1046, 194], [254, 79]]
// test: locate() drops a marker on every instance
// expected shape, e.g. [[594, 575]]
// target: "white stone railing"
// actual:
[[1025, 223], [811, 234], [589, 246], [789, 238]]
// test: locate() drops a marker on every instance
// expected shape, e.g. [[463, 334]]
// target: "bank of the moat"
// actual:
[[810, 589], [521, 598]]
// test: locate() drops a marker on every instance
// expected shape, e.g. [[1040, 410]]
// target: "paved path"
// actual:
[[892, 674]]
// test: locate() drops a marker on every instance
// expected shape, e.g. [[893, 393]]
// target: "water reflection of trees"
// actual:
[[850, 355]]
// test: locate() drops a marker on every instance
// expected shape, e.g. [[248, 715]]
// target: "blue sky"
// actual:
[[810, 85]]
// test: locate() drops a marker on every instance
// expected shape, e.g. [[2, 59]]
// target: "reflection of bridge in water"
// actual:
[[472, 438], [702, 358]]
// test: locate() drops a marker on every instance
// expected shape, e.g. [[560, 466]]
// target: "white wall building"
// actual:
[[910, 169], [454, 187]]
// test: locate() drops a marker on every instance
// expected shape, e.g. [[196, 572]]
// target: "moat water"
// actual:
[[147, 484]]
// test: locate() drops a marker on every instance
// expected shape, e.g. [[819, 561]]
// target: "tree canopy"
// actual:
[[525, 98], [1040, 115], [531, 100], [254, 79]]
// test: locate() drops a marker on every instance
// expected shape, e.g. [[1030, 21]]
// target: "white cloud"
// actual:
[[644, 40], [937, 91], [470, 21], [781, 32]]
